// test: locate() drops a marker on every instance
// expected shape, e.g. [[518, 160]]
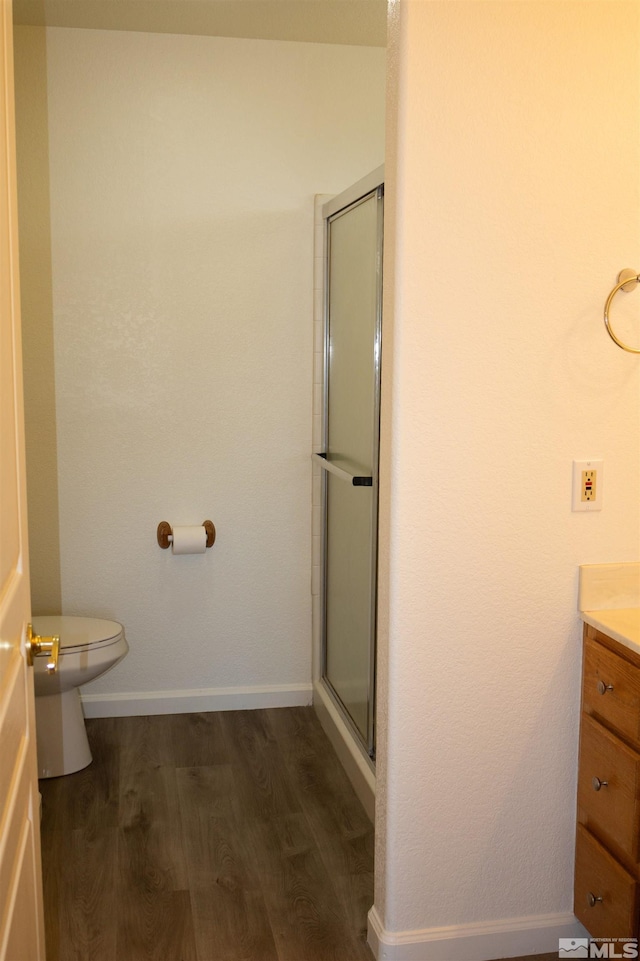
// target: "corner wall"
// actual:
[[183, 172], [512, 178], [36, 295]]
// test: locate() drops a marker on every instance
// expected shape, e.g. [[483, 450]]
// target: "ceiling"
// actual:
[[357, 22]]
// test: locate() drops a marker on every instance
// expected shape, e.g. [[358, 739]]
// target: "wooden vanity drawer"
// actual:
[[609, 788], [611, 689], [605, 895]]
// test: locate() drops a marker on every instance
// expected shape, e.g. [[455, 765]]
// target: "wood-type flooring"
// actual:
[[232, 836]]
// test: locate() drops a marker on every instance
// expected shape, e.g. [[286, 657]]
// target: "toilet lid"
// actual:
[[78, 631]]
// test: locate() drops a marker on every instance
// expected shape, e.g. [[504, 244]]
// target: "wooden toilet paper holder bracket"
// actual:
[[165, 534]]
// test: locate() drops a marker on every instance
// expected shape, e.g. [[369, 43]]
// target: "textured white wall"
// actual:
[[512, 186], [183, 171], [32, 143]]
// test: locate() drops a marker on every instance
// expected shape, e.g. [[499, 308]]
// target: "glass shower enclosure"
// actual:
[[353, 311]]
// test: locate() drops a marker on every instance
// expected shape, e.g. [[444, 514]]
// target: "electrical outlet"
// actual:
[[587, 485]]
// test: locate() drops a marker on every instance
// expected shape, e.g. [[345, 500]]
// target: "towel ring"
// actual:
[[627, 279]]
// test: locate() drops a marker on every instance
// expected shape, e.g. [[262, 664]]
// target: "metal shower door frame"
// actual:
[[363, 191]]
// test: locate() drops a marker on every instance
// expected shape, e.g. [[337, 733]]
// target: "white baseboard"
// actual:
[[484, 941], [140, 703]]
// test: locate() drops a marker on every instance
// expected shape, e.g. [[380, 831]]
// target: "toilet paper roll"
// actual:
[[189, 540]]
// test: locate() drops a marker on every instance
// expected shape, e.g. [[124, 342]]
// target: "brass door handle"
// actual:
[[38, 645]]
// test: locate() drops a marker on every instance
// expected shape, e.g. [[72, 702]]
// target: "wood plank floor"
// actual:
[[536, 957], [208, 837], [232, 836]]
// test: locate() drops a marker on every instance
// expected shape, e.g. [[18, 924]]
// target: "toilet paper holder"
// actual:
[[165, 534]]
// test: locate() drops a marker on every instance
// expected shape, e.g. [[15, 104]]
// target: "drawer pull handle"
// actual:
[[593, 900], [603, 688], [597, 783]]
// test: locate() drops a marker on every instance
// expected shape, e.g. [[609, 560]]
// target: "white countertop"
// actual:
[[623, 625], [609, 600]]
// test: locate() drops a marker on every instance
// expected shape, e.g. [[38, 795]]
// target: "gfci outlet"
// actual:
[[587, 485]]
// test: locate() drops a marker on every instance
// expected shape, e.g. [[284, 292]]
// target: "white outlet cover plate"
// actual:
[[596, 464]]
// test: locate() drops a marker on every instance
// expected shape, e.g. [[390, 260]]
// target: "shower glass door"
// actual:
[[352, 389]]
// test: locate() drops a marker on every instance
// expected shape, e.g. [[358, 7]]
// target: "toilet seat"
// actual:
[[78, 633], [89, 647]]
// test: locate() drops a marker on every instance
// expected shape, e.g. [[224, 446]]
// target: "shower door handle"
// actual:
[[357, 480]]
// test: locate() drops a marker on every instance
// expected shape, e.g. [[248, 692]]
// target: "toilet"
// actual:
[[88, 648]]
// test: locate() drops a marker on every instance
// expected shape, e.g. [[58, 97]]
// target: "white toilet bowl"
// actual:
[[88, 648]]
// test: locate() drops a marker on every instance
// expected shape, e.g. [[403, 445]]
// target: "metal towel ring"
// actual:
[[627, 279]]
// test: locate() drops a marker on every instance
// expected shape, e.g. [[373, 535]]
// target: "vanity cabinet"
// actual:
[[607, 875]]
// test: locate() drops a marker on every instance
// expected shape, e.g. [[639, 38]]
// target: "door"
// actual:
[[21, 914], [352, 387]]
